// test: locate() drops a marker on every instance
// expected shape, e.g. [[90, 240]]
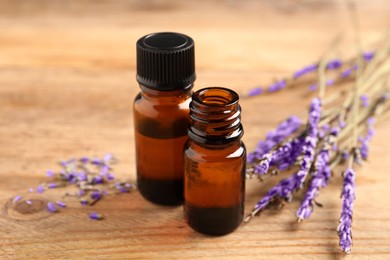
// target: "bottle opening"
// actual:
[[216, 96]]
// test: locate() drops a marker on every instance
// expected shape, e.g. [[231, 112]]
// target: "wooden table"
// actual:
[[67, 81]]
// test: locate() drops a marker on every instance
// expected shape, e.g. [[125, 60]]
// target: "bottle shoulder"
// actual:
[[197, 152]]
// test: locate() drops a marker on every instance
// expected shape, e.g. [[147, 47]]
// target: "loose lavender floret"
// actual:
[[40, 189], [95, 216], [52, 185], [348, 196], [346, 73], [16, 199], [50, 173], [305, 70], [29, 202], [61, 204], [277, 86], [31, 190], [313, 87], [51, 206], [96, 195], [255, 91]]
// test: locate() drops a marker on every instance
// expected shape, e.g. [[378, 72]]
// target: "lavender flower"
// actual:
[[29, 202], [61, 204], [277, 86], [283, 190], [96, 195], [52, 185], [305, 70], [84, 202], [255, 91], [348, 196], [346, 73], [96, 161], [95, 216], [16, 199], [110, 177], [334, 64], [263, 166], [313, 87], [364, 148], [50, 173], [31, 190], [321, 177], [40, 189], [368, 56], [51, 206], [284, 129], [310, 141], [364, 99], [84, 159]]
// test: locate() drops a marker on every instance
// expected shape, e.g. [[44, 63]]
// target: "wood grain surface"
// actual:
[[67, 81]]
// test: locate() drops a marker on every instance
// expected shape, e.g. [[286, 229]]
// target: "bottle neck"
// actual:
[[215, 117], [166, 97]]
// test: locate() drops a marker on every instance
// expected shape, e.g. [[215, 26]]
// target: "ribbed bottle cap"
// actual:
[[165, 61]]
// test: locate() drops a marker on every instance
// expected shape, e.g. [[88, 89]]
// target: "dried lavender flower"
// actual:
[[40, 189], [51, 206], [29, 202], [348, 196], [50, 173], [61, 204], [255, 91], [95, 216], [52, 185], [16, 199], [364, 99]]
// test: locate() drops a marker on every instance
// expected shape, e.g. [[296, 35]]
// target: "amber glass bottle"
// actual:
[[215, 158], [165, 72]]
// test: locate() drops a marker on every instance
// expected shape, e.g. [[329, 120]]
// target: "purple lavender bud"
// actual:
[[96, 161], [40, 189], [110, 177], [348, 196], [51, 207], [305, 70], [263, 166], [255, 91], [81, 193], [52, 185], [105, 193], [334, 64], [346, 73], [342, 123], [368, 56], [84, 159], [107, 158], [326, 127], [355, 67], [313, 87], [104, 170], [96, 195], [345, 155], [98, 179], [50, 173], [330, 82], [29, 202], [95, 216], [81, 176], [31, 190], [371, 121], [83, 202], [61, 204], [17, 198], [364, 99]]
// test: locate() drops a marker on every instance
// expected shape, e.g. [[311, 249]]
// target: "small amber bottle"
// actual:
[[214, 159], [165, 73]]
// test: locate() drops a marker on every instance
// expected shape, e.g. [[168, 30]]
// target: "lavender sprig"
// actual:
[[321, 176], [348, 196], [284, 129]]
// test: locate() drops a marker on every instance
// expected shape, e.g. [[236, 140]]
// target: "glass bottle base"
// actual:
[[216, 221], [162, 192]]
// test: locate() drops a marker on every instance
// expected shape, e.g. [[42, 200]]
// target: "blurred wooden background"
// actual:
[[67, 82]]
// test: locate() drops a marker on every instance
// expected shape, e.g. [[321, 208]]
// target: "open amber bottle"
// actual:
[[165, 72], [214, 158]]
